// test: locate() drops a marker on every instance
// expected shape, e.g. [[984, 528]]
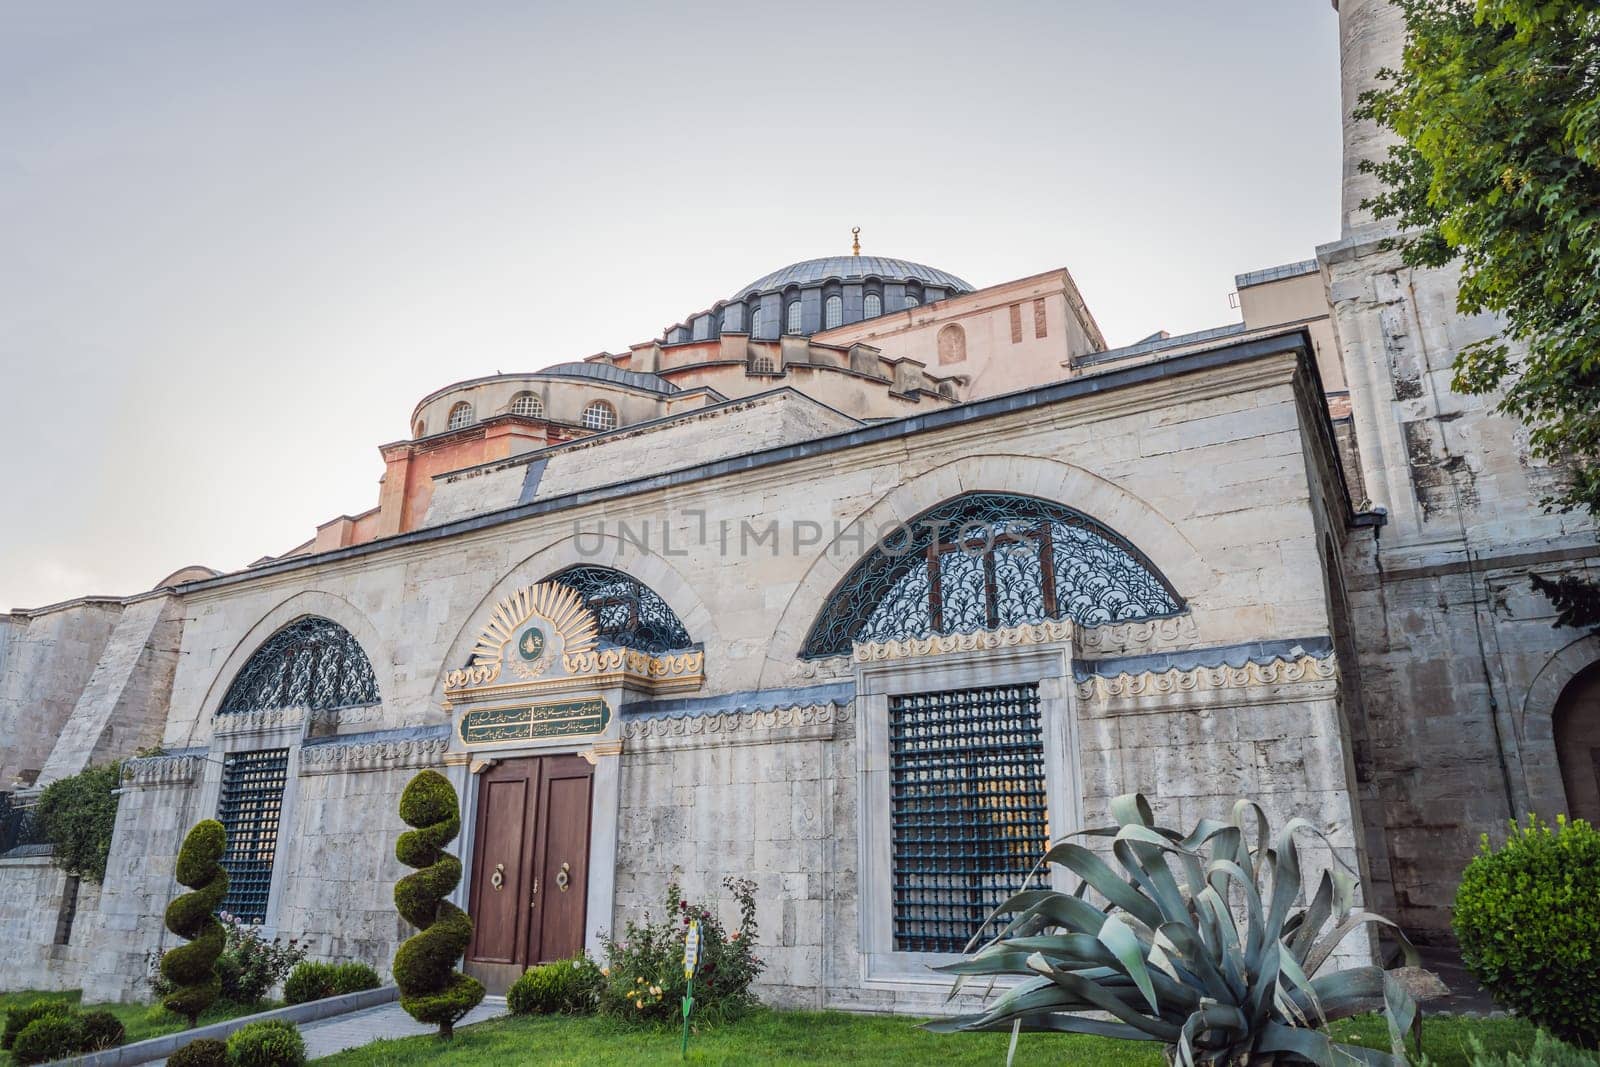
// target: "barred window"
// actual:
[[311, 663], [872, 306], [460, 416], [628, 612], [968, 815], [600, 416], [984, 561], [755, 317], [793, 323], [832, 312], [527, 405], [252, 800], [763, 364]]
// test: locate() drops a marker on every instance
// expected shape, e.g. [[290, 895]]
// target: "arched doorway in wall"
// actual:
[[1577, 733]]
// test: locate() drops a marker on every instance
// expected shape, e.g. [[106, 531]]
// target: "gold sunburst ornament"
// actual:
[[532, 629]]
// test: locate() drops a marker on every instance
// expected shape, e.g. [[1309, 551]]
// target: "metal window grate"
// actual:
[[252, 798], [967, 808]]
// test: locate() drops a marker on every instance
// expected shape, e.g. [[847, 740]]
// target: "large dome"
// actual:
[[844, 268]]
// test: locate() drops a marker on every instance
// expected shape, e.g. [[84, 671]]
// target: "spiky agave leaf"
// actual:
[[1212, 958]]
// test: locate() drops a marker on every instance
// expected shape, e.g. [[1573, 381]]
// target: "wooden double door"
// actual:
[[530, 866]]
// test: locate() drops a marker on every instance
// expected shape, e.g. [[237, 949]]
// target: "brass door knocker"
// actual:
[[561, 877], [498, 878]]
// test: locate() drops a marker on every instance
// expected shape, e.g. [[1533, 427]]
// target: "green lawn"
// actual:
[[834, 1037], [142, 1020]]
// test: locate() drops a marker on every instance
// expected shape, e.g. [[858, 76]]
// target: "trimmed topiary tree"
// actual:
[[192, 969], [1528, 919], [431, 990]]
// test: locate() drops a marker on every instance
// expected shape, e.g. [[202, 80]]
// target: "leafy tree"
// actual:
[[1497, 108], [76, 815]]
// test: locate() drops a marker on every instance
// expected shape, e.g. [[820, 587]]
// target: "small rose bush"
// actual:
[[643, 973], [250, 965]]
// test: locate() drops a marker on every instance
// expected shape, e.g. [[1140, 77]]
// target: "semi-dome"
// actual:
[[847, 268]]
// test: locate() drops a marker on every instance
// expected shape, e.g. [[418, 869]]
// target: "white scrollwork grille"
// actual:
[[311, 663]]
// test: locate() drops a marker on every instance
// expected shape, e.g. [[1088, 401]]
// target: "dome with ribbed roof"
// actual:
[[853, 268]]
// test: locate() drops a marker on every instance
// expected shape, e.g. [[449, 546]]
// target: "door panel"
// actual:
[[502, 848], [562, 859]]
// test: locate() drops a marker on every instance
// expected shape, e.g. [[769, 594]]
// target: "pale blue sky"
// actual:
[[240, 241]]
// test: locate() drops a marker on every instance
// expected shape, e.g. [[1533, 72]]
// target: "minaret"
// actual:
[[1371, 35]]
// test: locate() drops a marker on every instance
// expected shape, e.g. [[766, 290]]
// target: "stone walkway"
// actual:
[[327, 1036]]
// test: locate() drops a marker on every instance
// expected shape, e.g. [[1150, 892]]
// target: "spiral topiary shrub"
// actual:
[[192, 969], [1527, 916], [17, 1019], [52, 1037], [102, 1030], [205, 1052], [269, 1043], [431, 990]]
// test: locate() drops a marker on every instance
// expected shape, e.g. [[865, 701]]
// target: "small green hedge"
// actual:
[[315, 981], [204, 1052], [568, 987], [102, 1030], [53, 1029], [17, 1019], [1527, 916], [52, 1037], [269, 1043]]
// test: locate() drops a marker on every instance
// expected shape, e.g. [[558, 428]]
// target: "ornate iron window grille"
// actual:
[[968, 814], [252, 800], [313, 663], [629, 613], [985, 561]]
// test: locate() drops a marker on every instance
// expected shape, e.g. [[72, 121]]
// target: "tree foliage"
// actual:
[[76, 815]]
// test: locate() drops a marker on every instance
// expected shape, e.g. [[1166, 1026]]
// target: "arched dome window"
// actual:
[[600, 415], [754, 317], [832, 312], [461, 416], [420, 429], [872, 306], [312, 663], [629, 613], [528, 405], [912, 301], [791, 322], [984, 561]]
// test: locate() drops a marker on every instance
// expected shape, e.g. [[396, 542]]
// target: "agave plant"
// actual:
[[1200, 946]]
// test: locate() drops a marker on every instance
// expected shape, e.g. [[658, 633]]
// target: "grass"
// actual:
[[780, 1037], [142, 1020]]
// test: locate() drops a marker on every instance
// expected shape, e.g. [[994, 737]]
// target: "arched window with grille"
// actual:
[[600, 415], [792, 317], [872, 306], [528, 405], [629, 613], [912, 301], [461, 416], [753, 317], [312, 663], [832, 312], [984, 561]]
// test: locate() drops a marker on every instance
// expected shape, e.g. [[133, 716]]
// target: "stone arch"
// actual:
[[308, 602], [1132, 517], [1536, 723], [592, 549], [1577, 741], [952, 343]]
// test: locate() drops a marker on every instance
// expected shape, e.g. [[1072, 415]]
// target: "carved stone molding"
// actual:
[[597, 667], [1145, 635], [258, 722], [1305, 669], [336, 758], [1037, 633], [333, 718], [161, 770], [830, 669], [798, 722]]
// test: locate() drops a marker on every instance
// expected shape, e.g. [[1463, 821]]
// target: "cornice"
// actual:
[[150, 771], [798, 722], [393, 755], [1051, 631], [599, 668], [259, 722], [1146, 635], [1301, 670]]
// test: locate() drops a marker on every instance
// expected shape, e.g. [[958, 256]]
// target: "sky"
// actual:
[[239, 242]]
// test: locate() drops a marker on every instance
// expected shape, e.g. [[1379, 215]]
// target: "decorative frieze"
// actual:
[[374, 755], [149, 771], [1144, 635], [1278, 671], [258, 722], [798, 722], [1050, 631]]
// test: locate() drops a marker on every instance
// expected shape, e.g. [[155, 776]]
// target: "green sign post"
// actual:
[[691, 957]]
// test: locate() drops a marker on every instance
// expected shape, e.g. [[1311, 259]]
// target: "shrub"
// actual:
[[1198, 944], [51, 1037], [192, 969], [202, 1053], [354, 978], [76, 815], [102, 1030], [1528, 919], [18, 1018], [431, 990], [250, 965], [643, 974], [315, 981], [568, 987], [270, 1043], [1546, 1052]]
